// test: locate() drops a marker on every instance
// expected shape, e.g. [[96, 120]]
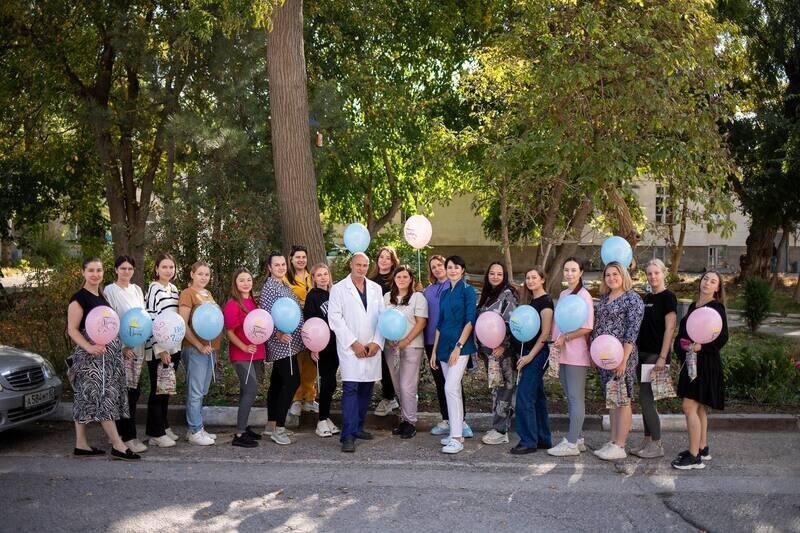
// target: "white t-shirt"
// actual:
[[417, 307], [123, 300]]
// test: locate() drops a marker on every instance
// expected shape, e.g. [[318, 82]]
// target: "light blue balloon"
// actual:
[[286, 314], [392, 325], [207, 321], [524, 323], [135, 327], [616, 249], [356, 237], [571, 313]]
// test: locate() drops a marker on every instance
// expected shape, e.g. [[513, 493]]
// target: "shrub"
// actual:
[[757, 302], [44, 246], [759, 368]]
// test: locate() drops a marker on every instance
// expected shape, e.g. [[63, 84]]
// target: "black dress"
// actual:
[[708, 388]]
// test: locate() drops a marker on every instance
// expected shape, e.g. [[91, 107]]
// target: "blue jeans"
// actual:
[[355, 402], [532, 424], [199, 369]]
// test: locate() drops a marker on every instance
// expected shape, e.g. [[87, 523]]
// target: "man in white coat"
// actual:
[[353, 309]]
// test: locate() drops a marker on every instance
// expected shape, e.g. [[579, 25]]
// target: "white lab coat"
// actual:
[[350, 322]]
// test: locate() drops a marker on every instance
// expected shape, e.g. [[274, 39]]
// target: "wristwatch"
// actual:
[[459, 345]]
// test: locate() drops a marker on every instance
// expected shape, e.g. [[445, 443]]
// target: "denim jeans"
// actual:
[[532, 424], [199, 370]]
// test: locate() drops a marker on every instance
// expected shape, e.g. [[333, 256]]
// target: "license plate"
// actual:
[[38, 398]]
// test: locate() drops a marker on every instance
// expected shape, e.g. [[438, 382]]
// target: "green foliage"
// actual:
[[45, 246], [758, 368], [757, 301]]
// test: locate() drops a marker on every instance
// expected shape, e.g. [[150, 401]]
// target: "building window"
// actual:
[[663, 211], [659, 252], [717, 257]]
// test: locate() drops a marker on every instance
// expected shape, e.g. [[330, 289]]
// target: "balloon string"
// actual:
[[213, 371], [419, 267], [249, 366]]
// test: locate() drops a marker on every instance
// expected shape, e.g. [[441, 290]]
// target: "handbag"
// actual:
[[616, 394], [552, 362], [661, 384], [165, 381]]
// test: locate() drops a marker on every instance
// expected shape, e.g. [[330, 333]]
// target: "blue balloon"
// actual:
[[356, 237], [135, 327], [207, 321], [616, 249], [392, 325], [286, 314], [524, 323], [571, 313]]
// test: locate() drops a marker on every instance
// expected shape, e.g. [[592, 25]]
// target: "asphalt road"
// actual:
[[393, 485]]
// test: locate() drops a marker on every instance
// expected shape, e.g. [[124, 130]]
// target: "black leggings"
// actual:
[[387, 386], [157, 404], [438, 379], [328, 365], [126, 427], [283, 383]]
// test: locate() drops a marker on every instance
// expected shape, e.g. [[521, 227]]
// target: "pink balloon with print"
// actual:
[[258, 326], [102, 325], [607, 352], [316, 334], [490, 329], [704, 325]]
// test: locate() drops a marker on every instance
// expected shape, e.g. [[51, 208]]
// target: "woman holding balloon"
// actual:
[[200, 347], [702, 334], [574, 320], [385, 263], [162, 303], [247, 356], [498, 349], [282, 347], [454, 344], [617, 320], [123, 296], [95, 368], [404, 355]]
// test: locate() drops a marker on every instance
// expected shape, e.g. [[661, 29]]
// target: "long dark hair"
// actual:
[[527, 295], [489, 293], [581, 267], [290, 272], [719, 294], [86, 263], [236, 295], [163, 256], [395, 291], [376, 270]]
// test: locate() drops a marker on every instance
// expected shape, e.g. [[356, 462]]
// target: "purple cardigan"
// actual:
[[433, 294]]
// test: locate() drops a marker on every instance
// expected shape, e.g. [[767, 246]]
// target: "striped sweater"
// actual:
[[160, 299]]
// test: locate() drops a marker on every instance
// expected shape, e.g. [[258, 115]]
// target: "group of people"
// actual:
[[440, 334]]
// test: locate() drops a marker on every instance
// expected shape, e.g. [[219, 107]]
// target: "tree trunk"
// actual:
[[295, 181], [676, 252], [625, 227], [755, 262], [779, 255], [542, 252], [504, 231], [568, 247], [5, 256]]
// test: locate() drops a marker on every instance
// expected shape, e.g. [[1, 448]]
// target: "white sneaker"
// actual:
[[581, 445], [136, 446], [564, 449], [323, 430], [442, 428], [161, 442], [200, 439], [332, 427], [296, 409], [312, 407], [603, 448], [212, 436], [280, 436], [452, 446], [384, 407], [171, 434], [494, 437], [611, 453]]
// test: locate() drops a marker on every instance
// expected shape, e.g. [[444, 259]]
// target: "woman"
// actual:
[[404, 356], [299, 280], [655, 345], [454, 344], [247, 358], [122, 296], [708, 388], [385, 264], [574, 361], [327, 360], [499, 296], [95, 371], [162, 297], [282, 350], [619, 314], [198, 354], [438, 283], [532, 423]]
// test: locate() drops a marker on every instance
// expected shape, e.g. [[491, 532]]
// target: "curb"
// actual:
[[226, 416]]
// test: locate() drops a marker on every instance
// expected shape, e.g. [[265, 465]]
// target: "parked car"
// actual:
[[29, 387]]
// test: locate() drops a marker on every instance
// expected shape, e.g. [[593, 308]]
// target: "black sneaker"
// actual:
[[127, 455], [364, 435], [521, 449], [399, 430], [349, 445], [409, 431], [252, 434], [688, 462], [705, 454], [244, 441]]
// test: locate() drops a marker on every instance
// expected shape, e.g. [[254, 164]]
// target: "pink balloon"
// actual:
[[704, 325], [607, 352], [490, 329], [316, 334], [102, 325], [258, 326]]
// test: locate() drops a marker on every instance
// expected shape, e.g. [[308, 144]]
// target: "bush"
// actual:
[[759, 368], [757, 302], [45, 247]]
